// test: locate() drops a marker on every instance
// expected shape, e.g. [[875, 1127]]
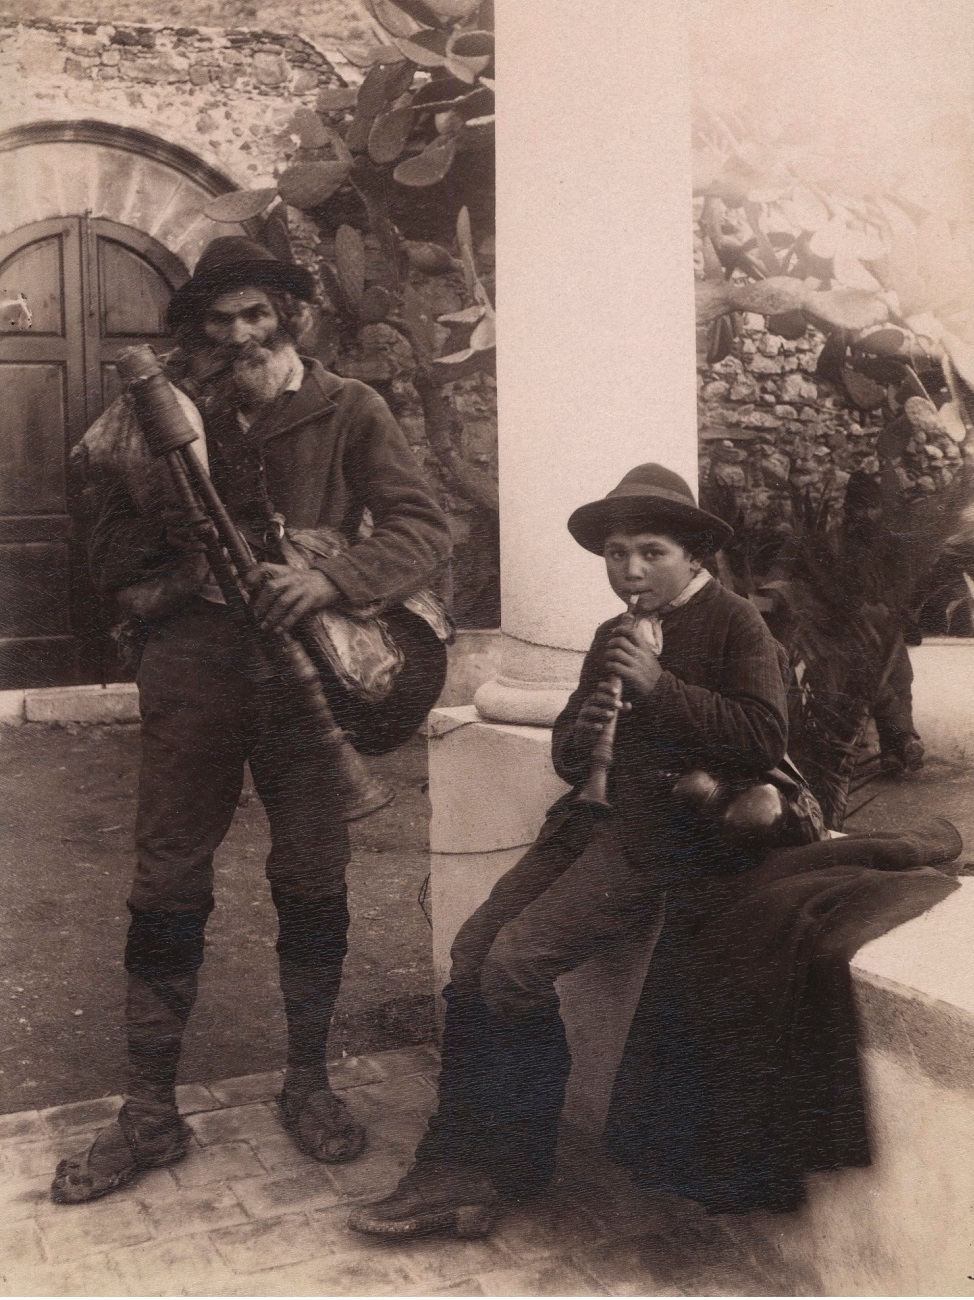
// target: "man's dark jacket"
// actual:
[[320, 456]]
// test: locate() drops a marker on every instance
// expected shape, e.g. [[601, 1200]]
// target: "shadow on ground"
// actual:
[[67, 809]]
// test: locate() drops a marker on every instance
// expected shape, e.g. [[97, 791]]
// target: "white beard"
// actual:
[[260, 376]]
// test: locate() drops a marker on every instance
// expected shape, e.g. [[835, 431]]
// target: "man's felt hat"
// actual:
[[649, 499], [231, 262]]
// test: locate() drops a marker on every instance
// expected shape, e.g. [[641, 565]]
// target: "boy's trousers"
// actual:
[[505, 1059]]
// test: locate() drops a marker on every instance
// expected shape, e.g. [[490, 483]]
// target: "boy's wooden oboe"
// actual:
[[169, 435], [595, 791]]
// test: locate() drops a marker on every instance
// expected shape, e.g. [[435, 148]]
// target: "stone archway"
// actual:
[[94, 169]]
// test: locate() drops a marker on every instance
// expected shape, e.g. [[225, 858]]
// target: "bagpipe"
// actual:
[[365, 678]]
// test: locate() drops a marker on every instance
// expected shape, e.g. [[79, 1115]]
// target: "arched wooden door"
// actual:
[[94, 287]]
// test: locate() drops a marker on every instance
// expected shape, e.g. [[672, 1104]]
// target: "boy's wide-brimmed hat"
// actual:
[[231, 262], [652, 499]]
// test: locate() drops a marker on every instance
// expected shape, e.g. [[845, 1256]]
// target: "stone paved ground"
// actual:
[[247, 1214]]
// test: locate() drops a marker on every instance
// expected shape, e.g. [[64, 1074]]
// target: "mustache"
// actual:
[[218, 359]]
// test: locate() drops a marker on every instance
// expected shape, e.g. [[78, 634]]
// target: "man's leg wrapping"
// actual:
[[162, 957], [311, 947]]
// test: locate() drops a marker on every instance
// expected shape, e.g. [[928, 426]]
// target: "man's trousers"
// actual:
[[209, 706], [505, 1059]]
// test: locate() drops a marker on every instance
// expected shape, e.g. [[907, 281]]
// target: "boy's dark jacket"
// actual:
[[719, 705], [326, 453]]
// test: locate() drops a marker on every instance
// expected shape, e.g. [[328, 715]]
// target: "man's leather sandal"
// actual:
[[432, 1197], [321, 1126], [118, 1154]]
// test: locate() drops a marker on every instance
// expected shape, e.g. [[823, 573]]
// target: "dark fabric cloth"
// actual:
[[322, 455], [719, 706], [207, 709], [741, 1073]]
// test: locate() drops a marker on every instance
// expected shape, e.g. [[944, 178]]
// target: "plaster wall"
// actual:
[[943, 696]]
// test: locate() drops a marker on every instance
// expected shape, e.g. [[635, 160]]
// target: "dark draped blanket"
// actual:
[[741, 1071]]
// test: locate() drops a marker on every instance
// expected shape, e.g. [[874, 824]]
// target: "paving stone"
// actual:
[[331, 1275], [235, 1123], [272, 1243], [22, 1125], [183, 1266], [216, 1163], [655, 1264], [465, 1287], [355, 1264], [388, 1128], [81, 1115], [413, 1094], [21, 1198], [354, 1071], [191, 1098], [34, 1159], [546, 1227], [373, 1174], [552, 1277], [176, 1211], [70, 1231], [21, 1246], [424, 1059], [441, 1261], [248, 1088], [304, 1189], [278, 1154], [91, 1276]]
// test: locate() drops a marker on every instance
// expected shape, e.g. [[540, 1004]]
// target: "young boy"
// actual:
[[702, 690]]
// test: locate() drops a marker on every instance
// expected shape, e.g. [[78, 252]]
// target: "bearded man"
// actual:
[[283, 437]]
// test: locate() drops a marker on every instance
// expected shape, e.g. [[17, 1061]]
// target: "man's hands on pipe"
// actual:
[[281, 597]]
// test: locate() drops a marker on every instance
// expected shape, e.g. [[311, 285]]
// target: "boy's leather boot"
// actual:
[[432, 1197]]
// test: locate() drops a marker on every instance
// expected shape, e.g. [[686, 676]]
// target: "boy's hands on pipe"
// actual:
[[281, 596], [595, 713], [630, 658]]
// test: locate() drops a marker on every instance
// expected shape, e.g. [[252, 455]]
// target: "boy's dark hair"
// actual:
[[699, 546], [292, 312]]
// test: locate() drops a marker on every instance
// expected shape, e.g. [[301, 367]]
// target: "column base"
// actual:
[[533, 686]]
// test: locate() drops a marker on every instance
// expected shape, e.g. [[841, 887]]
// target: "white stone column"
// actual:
[[596, 375], [595, 302]]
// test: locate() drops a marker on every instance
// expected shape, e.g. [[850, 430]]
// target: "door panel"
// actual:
[[141, 308], [40, 265], [93, 287], [34, 592], [31, 460]]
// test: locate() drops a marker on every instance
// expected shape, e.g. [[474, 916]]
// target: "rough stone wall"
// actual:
[[767, 426], [225, 95]]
